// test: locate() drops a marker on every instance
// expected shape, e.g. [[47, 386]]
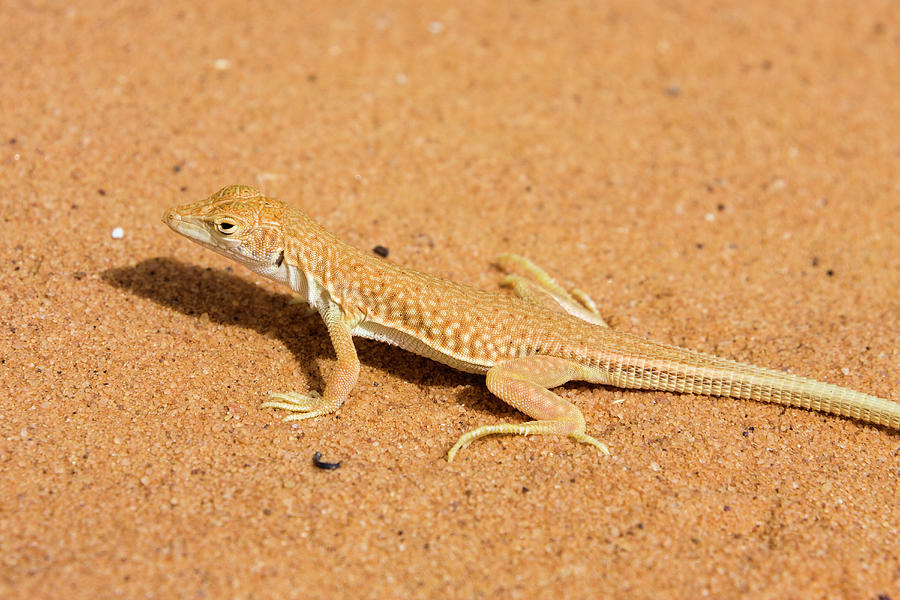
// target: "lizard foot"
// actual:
[[540, 288], [532, 427], [302, 406]]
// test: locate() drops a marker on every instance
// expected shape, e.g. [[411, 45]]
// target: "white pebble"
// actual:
[[118, 233]]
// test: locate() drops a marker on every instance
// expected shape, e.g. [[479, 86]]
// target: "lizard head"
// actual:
[[237, 221]]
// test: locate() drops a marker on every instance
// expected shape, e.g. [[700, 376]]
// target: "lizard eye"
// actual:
[[226, 227]]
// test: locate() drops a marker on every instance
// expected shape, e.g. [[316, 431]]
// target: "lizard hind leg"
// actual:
[[540, 288], [522, 383]]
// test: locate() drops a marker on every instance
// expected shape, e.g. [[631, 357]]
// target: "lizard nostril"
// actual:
[[171, 215]]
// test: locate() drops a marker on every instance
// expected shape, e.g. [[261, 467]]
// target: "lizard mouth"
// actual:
[[189, 228]]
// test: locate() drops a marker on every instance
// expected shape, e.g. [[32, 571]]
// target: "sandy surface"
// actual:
[[718, 176]]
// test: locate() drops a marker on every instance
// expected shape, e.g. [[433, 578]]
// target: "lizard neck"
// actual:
[[317, 265]]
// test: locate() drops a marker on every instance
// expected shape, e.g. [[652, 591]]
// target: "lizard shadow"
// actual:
[[228, 299]]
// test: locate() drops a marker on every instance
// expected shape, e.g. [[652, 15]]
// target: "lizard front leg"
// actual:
[[341, 380], [522, 383]]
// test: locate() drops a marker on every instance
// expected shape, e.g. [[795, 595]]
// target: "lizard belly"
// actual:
[[410, 343]]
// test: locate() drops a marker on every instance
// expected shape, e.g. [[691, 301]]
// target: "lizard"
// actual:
[[524, 344]]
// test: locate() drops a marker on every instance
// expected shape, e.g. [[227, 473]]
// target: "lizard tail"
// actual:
[[656, 366]]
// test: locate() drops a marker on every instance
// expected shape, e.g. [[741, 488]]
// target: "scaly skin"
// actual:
[[524, 346]]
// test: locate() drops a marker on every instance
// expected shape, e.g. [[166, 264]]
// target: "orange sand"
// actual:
[[720, 176]]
